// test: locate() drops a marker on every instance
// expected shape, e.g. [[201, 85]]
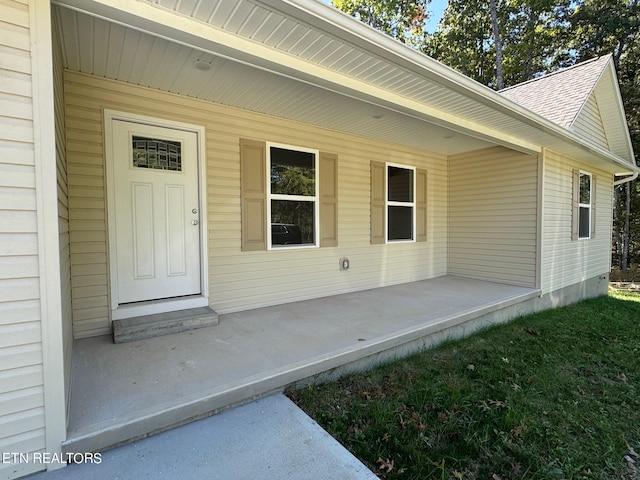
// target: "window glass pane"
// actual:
[[292, 172], [157, 154], [400, 223], [400, 184], [585, 222], [585, 189], [292, 222]]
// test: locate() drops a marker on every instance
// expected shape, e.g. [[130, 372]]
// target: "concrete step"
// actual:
[[148, 326]]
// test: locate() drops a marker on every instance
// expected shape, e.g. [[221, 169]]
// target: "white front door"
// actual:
[[157, 218]]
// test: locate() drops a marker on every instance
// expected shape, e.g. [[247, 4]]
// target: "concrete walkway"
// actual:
[[270, 438]]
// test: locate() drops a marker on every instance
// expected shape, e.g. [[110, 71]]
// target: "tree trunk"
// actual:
[[617, 234], [498, 43]]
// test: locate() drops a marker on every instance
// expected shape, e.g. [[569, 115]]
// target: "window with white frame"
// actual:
[[292, 203], [584, 222], [401, 203]]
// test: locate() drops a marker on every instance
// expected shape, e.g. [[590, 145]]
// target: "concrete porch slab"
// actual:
[[127, 391]]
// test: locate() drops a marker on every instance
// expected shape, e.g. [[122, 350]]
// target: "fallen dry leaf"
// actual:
[[632, 452], [385, 465]]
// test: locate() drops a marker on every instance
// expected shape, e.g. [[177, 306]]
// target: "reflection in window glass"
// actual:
[[400, 223], [292, 196], [292, 172], [157, 154], [400, 203], [584, 221], [292, 222], [400, 184], [585, 188]]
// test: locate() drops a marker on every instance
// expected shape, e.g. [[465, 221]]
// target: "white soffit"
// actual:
[[276, 57]]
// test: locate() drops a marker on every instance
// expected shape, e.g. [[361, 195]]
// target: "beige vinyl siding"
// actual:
[[493, 216], [87, 224], [21, 373], [566, 261], [63, 210], [588, 123], [241, 280]]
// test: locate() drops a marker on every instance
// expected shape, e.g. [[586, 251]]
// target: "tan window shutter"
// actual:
[[378, 213], [328, 199], [253, 194], [421, 205], [593, 206], [575, 206]]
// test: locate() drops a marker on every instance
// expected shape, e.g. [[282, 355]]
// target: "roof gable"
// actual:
[[585, 99]]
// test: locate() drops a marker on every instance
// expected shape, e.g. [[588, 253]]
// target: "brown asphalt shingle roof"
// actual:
[[559, 96]]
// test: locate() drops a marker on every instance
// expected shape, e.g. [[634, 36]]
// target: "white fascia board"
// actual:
[[614, 103], [607, 83]]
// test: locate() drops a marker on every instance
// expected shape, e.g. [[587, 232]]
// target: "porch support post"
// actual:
[[540, 217], [47, 224]]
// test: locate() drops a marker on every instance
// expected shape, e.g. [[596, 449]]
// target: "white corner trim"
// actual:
[[48, 234], [542, 170]]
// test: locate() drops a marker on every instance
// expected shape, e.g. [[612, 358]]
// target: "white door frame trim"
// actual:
[[166, 305]]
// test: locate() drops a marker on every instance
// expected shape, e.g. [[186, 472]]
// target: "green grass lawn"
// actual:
[[554, 395]]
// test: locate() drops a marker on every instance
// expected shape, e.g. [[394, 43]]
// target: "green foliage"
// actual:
[[552, 395], [535, 37], [294, 180], [532, 33], [403, 20], [463, 39], [605, 26], [632, 274]]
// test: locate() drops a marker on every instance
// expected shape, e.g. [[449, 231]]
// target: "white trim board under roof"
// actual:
[[322, 48]]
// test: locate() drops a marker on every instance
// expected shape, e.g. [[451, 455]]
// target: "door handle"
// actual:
[[194, 222]]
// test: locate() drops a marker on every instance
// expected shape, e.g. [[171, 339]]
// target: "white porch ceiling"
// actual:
[[302, 60], [106, 49]]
